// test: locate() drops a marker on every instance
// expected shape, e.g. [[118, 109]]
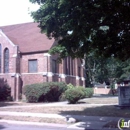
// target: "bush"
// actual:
[[62, 97], [5, 90], [55, 91], [81, 88], [69, 86], [73, 95], [49, 91], [34, 91], [89, 92]]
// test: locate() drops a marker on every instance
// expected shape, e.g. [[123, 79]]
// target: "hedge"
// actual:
[[45, 92]]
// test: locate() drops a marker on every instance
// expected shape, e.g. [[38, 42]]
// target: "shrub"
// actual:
[[89, 92], [73, 95], [62, 97], [55, 91], [5, 90], [49, 91], [69, 86], [81, 88], [34, 91]]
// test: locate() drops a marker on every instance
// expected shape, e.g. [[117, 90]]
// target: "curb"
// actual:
[[26, 114], [51, 125], [32, 123]]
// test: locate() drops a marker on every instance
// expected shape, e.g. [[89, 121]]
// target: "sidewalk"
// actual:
[[87, 122], [84, 122], [65, 103]]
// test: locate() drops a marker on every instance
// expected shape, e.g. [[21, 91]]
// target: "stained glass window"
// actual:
[[6, 60], [0, 58]]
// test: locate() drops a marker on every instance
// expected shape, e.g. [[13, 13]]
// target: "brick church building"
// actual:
[[24, 59]]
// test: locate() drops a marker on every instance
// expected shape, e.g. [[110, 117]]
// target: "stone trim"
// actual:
[[12, 74], [50, 74], [44, 73], [32, 73], [7, 74], [7, 38], [14, 55], [17, 75], [47, 54], [62, 75], [77, 78], [82, 78]]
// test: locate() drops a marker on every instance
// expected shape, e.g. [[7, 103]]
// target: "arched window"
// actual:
[[0, 57], [6, 60]]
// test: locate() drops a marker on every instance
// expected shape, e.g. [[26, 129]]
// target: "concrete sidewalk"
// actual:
[[88, 125], [56, 104], [85, 122]]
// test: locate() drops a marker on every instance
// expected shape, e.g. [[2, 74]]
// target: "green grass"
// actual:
[[84, 107]]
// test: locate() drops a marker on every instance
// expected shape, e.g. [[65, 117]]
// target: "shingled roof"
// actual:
[[28, 37]]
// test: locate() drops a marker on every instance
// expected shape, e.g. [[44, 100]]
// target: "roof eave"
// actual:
[[33, 52]]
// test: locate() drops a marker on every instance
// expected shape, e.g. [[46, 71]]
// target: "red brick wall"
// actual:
[[18, 64], [5, 43], [45, 65], [13, 49], [71, 78], [11, 82], [42, 62], [102, 90], [32, 78]]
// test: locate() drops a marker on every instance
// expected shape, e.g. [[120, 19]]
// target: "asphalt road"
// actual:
[[5, 126]]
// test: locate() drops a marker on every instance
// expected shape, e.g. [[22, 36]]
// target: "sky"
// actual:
[[16, 11]]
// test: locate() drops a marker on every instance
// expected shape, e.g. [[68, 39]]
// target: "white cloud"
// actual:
[[15, 11]]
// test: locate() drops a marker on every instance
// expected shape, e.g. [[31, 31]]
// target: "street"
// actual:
[[5, 126]]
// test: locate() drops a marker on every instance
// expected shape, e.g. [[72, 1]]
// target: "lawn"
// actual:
[[90, 107]]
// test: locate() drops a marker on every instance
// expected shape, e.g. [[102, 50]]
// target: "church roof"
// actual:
[[28, 37]]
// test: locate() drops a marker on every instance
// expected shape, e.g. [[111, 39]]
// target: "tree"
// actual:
[[125, 70], [102, 69], [84, 26], [109, 70]]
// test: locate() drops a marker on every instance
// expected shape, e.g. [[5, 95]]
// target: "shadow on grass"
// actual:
[[3, 104], [105, 96], [2, 127], [98, 115], [80, 102], [108, 110]]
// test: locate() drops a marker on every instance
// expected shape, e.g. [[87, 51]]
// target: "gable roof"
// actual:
[[28, 37]]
